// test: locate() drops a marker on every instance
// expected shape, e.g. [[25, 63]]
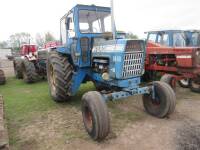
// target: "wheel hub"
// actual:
[[88, 115]]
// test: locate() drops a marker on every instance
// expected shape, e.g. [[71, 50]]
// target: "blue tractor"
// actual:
[[115, 66]]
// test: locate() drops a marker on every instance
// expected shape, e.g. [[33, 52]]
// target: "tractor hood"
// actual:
[[103, 46], [126, 57]]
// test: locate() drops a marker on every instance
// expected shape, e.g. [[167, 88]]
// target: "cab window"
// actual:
[[152, 37], [179, 40], [165, 40]]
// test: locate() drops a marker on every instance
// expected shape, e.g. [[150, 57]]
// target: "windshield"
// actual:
[[195, 41], [179, 40], [94, 21]]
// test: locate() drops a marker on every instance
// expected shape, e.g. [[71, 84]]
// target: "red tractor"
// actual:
[[175, 54], [31, 65]]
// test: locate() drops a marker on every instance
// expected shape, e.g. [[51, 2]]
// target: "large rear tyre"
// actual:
[[194, 86], [59, 76], [163, 104], [95, 115], [169, 79], [29, 72], [184, 83], [18, 69], [2, 78]]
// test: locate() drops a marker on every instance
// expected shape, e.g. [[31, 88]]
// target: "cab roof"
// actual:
[[92, 7], [173, 31]]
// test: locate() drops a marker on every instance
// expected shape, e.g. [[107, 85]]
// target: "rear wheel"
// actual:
[[95, 115], [184, 83], [194, 86], [59, 75], [2, 77], [169, 79], [29, 72], [18, 68], [164, 102]]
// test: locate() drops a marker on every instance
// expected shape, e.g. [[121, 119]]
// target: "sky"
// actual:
[[137, 16]]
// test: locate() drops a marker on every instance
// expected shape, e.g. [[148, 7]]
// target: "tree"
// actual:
[[3, 44], [130, 35], [40, 40], [49, 37], [17, 39]]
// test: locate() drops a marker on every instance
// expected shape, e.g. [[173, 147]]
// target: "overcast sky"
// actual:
[[137, 16]]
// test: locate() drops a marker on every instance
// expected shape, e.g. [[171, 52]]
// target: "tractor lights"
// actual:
[[105, 76]]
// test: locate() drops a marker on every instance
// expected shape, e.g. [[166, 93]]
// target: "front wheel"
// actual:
[[18, 68], [164, 102], [29, 72], [194, 86], [95, 115]]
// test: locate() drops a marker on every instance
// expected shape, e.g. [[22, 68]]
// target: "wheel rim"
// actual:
[[52, 79], [88, 118], [185, 82]]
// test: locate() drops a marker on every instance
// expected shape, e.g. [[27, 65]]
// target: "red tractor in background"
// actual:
[[31, 65], [174, 54]]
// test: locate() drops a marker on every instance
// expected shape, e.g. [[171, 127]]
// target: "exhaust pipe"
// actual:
[[113, 19]]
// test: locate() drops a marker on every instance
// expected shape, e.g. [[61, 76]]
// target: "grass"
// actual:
[[25, 102]]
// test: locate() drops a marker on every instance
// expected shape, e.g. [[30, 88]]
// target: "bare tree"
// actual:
[[3, 44], [17, 39], [130, 35]]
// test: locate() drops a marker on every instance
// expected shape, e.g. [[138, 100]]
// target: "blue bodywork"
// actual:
[[112, 51]]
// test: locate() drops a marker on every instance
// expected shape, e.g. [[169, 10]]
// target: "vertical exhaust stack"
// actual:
[[113, 19]]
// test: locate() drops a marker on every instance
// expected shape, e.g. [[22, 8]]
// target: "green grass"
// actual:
[[25, 102]]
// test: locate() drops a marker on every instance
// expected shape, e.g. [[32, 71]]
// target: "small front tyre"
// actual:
[[164, 102], [95, 115], [29, 72]]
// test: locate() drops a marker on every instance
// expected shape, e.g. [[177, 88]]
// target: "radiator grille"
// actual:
[[133, 65]]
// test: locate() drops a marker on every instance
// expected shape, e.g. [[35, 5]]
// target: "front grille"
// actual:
[[133, 64]]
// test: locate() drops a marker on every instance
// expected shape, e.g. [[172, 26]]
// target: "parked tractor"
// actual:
[[90, 52], [31, 65], [2, 77], [176, 55]]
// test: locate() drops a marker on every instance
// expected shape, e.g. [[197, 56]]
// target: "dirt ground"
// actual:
[[63, 128]]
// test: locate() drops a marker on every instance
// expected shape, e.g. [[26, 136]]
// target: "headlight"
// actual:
[[105, 76]]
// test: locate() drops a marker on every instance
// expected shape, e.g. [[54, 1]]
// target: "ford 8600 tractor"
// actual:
[[90, 51]]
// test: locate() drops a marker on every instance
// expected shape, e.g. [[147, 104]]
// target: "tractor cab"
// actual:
[[80, 28], [168, 38]]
